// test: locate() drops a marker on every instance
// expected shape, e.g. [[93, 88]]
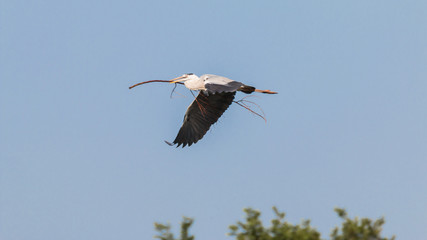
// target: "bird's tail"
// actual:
[[249, 89]]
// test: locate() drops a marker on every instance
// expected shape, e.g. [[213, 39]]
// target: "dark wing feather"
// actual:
[[205, 110]]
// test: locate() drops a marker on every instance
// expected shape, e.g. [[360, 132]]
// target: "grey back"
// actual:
[[218, 84]]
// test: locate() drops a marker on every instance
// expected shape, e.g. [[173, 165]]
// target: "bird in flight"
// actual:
[[216, 94]]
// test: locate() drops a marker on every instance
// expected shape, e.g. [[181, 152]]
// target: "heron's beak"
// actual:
[[178, 79]]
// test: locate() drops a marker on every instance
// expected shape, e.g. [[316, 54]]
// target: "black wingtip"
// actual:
[[168, 143]]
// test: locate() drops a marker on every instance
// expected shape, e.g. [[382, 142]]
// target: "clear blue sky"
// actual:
[[83, 157]]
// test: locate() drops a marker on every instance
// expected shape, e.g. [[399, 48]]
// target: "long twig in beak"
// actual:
[[164, 81]]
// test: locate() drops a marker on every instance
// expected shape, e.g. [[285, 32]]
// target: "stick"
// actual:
[[164, 81], [248, 108]]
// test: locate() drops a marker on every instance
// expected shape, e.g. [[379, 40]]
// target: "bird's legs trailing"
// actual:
[[265, 91]]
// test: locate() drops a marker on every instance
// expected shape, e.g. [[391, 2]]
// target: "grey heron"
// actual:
[[216, 94]]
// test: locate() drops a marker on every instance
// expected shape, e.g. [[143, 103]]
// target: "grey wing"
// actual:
[[205, 110], [215, 84]]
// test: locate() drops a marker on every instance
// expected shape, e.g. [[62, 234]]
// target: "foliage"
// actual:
[[253, 229], [356, 229], [165, 233]]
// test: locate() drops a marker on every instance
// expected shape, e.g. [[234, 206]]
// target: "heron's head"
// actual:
[[185, 77]]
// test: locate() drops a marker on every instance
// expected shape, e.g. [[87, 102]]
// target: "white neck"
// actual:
[[195, 83]]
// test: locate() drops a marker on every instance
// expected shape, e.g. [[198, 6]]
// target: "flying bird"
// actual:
[[216, 94]]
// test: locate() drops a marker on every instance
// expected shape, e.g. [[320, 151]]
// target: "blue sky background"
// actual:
[[83, 157]]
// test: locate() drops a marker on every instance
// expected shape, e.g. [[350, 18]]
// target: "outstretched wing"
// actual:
[[205, 110]]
